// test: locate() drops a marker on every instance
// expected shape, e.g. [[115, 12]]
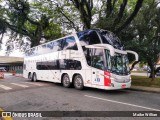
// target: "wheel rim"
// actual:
[[34, 78], [78, 82], [66, 81]]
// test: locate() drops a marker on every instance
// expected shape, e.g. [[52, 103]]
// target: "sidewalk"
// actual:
[[147, 89]]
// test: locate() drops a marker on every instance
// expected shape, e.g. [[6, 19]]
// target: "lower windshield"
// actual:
[[117, 64]]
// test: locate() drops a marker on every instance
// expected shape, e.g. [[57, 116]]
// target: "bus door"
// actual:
[[97, 63]]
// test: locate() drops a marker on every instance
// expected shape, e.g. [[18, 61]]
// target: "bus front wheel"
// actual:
[[66, 81], [78, 82]]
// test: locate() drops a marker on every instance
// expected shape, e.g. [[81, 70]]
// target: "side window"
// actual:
[[50, 45], [84, 38], [78, 65], [93, 38], [66, 64], [108, 59], [88, 55], [95, 58], [62, 64], [41, 66], [57, 45], [48, 65], [52, 65], [74, 65], [70, 43], [89, 38]]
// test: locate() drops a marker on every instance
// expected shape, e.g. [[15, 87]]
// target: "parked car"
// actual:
[[2, 70], [135, 69]]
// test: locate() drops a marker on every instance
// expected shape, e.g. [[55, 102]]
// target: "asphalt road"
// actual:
[[19, 94]]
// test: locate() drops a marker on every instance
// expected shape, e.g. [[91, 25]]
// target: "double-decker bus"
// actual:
[[91, 58]]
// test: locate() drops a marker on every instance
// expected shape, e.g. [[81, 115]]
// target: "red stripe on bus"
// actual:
[[107, 80]]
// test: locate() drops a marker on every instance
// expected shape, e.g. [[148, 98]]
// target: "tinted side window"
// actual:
[[89, 38], [57, 45], [41, 66], [67, 64], [62, 64], [95, 58], [50, 45], [53, 65], [88, 55], [74, 65], [70, 43]]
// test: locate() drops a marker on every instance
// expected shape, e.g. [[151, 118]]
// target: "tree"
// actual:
[[35, 19], [145, 39], [118, 14], [85, 8], [25, 19], [66, 15]]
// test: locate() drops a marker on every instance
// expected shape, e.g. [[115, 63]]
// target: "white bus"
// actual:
[[92, 58]]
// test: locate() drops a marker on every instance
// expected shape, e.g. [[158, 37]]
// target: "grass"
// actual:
[[145, 81], [139, 71]]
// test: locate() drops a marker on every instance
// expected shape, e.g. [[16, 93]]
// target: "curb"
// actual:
[[145, 89]]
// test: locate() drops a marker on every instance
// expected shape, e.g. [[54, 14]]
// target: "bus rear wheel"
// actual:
[[78, 82], [34, 77], [66, 81]]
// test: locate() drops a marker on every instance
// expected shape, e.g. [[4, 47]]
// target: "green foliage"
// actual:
[[141, 64], [145, 81], [28, 20], [118, 14], [145, 39], [53, 31]]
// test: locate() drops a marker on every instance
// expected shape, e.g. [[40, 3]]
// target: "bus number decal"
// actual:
[[97, 79]]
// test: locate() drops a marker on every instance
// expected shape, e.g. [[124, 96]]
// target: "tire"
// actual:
[[66, 81], [34, 77], [78, 82], [29, 76]]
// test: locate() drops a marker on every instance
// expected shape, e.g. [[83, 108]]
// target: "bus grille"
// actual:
[[122, 81]]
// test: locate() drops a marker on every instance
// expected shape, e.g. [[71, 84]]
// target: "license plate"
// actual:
[[123, 86]]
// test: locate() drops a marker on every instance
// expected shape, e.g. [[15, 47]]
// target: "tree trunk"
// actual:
[[152, 67], [35, 41]]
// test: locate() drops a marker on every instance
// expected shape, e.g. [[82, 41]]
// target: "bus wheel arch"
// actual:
[[65, 80], [78, 81], [30, 76], [34, 77]]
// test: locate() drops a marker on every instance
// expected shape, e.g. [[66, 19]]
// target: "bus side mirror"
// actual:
[[136, 58], [134, 53], [112, 53]]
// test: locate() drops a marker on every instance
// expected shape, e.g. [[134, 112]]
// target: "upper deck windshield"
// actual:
[[100, 58], [117, 64]]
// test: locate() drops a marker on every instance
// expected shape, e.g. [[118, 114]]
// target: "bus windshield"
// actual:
[[117, 64]]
